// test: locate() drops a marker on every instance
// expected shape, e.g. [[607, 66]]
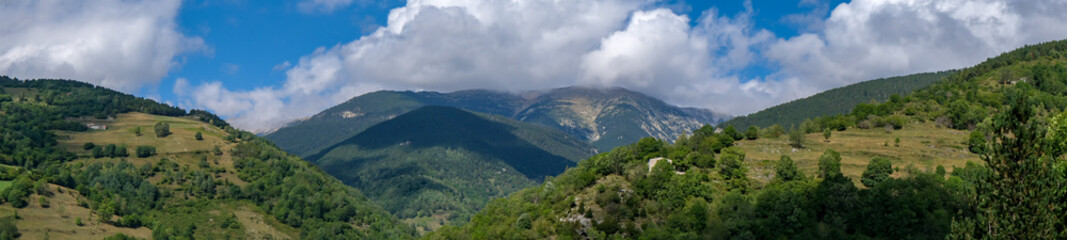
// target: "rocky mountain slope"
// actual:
[[605, 118]]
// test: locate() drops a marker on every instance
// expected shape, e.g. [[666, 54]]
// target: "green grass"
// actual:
[[922, 145]]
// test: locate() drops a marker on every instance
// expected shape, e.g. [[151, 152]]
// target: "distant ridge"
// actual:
[[605, 118], [836, 101]]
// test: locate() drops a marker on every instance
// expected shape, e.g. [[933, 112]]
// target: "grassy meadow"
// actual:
[[922, 145]]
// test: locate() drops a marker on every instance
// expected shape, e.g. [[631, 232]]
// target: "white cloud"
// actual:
[[868, 39], [447, 45], [117, 44]]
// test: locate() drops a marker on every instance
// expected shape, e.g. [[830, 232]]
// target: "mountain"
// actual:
[[80, 161], [1006, 111], [612, 117], [603, 117], [438, 164], [836, 101]]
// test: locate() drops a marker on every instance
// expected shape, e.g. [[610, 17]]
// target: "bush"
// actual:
[[976, 142], [8, 230], [88, 146], [162, 129], [98, 152], [878, 170], [109, 150], [774, 131], [199, 136], [120, 151], [896, 120], [733, 133], [796, 139], [752, 133], [145, 151]]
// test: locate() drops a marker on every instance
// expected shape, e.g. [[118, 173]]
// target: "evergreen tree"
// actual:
[[1023, 197]]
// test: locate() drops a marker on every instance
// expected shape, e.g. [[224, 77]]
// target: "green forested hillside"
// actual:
[[440, 164], [166, 174], [836, 101], [698, 196], [1012, 104]]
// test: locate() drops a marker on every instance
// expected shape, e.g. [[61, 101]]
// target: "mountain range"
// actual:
[[604, 118]]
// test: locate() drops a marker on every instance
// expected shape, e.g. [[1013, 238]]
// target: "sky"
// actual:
[[261, 64]]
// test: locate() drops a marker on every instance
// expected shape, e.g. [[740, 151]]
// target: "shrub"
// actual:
[[145, 151], [878, 170], [976, 142], [162, 129], [796, 139]]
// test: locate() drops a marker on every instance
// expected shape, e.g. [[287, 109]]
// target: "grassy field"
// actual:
[[922, 145], [58, 220], [181, 146], [5, 184]]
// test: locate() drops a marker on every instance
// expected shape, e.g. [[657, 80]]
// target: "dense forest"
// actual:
[[291, 190], [1013, 104]]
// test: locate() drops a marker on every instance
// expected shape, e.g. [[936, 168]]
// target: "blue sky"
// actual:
[[249, 39], [261, 64]]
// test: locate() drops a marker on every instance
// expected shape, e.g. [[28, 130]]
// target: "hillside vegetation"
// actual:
[[436, 165], [159, 172], [1007, 112], [836, 101]]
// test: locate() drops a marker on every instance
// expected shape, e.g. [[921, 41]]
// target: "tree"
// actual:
[[878, 170], [162, 129], [137, 131], [1022, 197], [145, 151], [98, 152], [774, 131], [88, 146], [796, 138], [826, 134], [752, 133], [732, 168], [829, 164], [109, 150], [120, 151], [199, 136], [786, 170], [976, 142], [733, 133]]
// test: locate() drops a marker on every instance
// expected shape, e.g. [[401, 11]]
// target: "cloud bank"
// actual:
[[447, 45], [118, 44]]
